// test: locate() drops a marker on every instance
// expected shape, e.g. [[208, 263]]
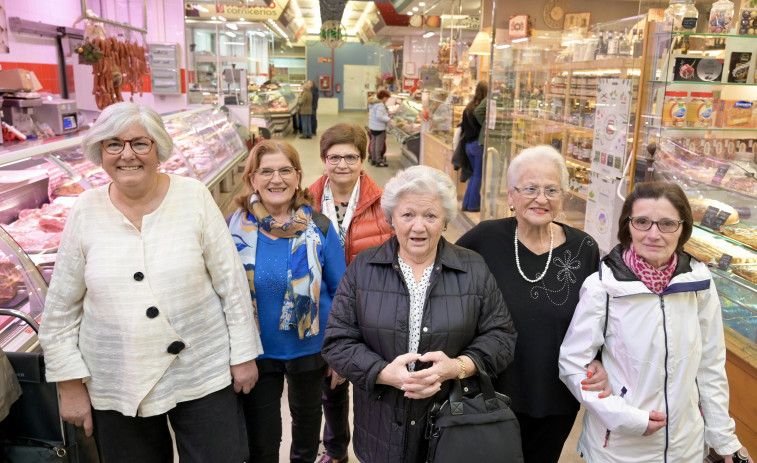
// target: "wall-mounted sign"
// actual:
[[208, 10], [472, 23], [518, 26], [323, 59]]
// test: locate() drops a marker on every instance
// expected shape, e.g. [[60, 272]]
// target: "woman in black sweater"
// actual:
[[539, 265], [471, 128]]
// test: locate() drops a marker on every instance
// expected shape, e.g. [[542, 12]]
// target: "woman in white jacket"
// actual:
[[654, 312]]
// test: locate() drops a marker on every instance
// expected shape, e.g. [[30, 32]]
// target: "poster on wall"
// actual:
[[601, 219], [611, 126], [4, 41]]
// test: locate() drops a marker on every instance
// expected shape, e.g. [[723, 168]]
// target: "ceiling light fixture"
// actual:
[[231, 34], [415, 8], [422, 4], [222, 18], [427, 35], [232, 26], [409, 13], [201, 8], [214, 18]]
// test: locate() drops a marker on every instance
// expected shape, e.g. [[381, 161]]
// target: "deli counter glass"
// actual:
[[274, 107], [39, 183]]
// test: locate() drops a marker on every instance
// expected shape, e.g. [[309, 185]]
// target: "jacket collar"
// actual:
[[386, 254], [621, 272], [369, 192]]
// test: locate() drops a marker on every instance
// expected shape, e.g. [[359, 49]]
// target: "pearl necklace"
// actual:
[[549, 258]]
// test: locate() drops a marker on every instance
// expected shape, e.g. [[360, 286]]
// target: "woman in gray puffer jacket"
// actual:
[[407, 317]]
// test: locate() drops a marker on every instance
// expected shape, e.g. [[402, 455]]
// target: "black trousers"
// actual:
[[262, 409], [313, 122], [543, 438], [336, 410], [207, 429]]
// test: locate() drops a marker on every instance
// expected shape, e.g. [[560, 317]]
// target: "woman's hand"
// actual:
[[743, 450], [657, 420], [336, 380], [425, 383], [75, 407], [244, 375], [395, 374], [597, 379]]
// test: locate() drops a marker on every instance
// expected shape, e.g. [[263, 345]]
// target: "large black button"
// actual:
[[152, 312], [139, 276], [403, 326], [175, 347]]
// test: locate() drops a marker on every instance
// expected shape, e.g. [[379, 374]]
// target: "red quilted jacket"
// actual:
[[368, 226]]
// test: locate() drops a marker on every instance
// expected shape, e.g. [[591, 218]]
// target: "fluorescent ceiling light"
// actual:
[[409, 13], [234, 43], [500, 47], [201, 8], [222, 18], [232, 26], [524, 39], [214, 18], [231, 34], [422, 4], [427, 35], [260, 34], [415, 8]]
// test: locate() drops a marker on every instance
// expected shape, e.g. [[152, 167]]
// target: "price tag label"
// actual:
[[721, 218], [725, 261], [717, 179], [708, 219]]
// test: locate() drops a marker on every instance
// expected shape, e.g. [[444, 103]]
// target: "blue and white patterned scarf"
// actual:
[[300, 305]]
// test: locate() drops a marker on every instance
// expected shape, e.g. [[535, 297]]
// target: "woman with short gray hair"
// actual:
[[148, 318], [409, 315], [539, 265]]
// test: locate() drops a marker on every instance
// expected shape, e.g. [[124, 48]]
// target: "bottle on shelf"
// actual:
[[602, 48], [613, 45], [624, 48], [638, 47]]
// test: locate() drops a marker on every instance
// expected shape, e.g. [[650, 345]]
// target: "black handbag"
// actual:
[[481, 428], [33, 431]]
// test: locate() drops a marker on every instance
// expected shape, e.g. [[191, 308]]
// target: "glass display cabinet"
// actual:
[[278, 105]]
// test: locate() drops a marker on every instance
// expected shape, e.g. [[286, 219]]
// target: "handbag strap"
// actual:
[[485, 382]]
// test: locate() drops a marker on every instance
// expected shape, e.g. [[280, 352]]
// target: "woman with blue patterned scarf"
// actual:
[[294, 261]]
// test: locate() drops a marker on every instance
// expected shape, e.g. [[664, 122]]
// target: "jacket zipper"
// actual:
[[623, 391], [667, 411]]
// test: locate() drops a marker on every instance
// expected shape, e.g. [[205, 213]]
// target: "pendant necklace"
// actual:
[[549, 258]]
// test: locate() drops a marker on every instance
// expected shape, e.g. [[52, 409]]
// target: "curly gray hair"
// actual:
[[420, 180], [119, 117], [542, 154]]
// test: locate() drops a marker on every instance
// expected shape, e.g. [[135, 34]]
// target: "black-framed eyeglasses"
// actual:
[[116, 145], [350, 159], [531, 192], [664, 225], [284, 172]]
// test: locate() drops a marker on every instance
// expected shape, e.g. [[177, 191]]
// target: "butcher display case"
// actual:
[[405, 125], [277, 105], [39, 183]]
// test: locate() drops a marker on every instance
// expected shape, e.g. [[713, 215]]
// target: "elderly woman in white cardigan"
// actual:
[[148, 315]]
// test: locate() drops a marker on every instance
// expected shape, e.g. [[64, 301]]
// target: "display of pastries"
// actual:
[[711, 249], [699, 207], [748, 272], [747, 235]]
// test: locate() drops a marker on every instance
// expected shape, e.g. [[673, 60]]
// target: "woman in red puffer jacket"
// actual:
[[352, 200]]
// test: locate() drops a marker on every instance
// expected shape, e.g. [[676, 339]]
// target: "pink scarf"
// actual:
[[654, 279]]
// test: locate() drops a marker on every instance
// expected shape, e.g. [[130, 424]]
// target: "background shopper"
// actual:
[[141, 260], [293, 261], [378, 117], [314, 117], [305, 105], [407, 316], [539, 265], [471, 129], [655, 313], [352, 201]]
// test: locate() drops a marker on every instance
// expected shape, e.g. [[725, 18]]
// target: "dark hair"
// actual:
[[383, 94], [344, 132], [301, 197], [479, 95], [656, 190]]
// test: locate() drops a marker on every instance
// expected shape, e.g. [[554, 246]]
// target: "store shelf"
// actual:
[[600, 66], [564, 125], [577, 195], [584, 164]]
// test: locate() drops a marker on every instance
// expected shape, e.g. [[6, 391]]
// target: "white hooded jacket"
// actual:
[[661, 352]]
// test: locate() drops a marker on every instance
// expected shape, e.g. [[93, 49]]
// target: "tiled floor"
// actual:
[[312, 169]]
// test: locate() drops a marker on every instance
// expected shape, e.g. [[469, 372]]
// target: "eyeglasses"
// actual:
[[285, 172], [531, 192], [350, 159], [664, 225], [116, 145]]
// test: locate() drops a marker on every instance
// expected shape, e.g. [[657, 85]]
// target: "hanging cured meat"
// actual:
[[122, 63]]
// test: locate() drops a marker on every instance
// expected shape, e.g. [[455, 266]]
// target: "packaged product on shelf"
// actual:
[[699, 110], [721, 16], [737, 113], [688, 69], [674, 109], [748, 22], [741, 62]]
